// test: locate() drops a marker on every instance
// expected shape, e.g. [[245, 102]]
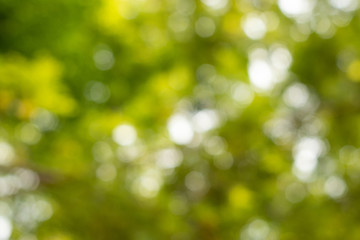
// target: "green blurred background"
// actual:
[[179, 119]]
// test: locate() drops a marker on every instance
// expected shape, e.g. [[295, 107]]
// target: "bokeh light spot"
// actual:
[[7, 153], [335, 187], [254, 27], [5, 228], [180, 129], [205, 27], [124, 135]]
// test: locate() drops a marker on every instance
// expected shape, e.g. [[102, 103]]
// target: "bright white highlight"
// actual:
[[124, 135], [267, 68], [294, 8], [305, 161], [254, 27], [345, 5], [180, 129], [296, 95], [261, 74], [5, 228], [215, 4], [205, 120], [306, 154]]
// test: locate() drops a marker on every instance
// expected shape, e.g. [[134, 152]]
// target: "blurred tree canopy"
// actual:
[[179, 119]]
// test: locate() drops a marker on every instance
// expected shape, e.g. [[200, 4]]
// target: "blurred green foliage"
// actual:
[[179, 119]]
